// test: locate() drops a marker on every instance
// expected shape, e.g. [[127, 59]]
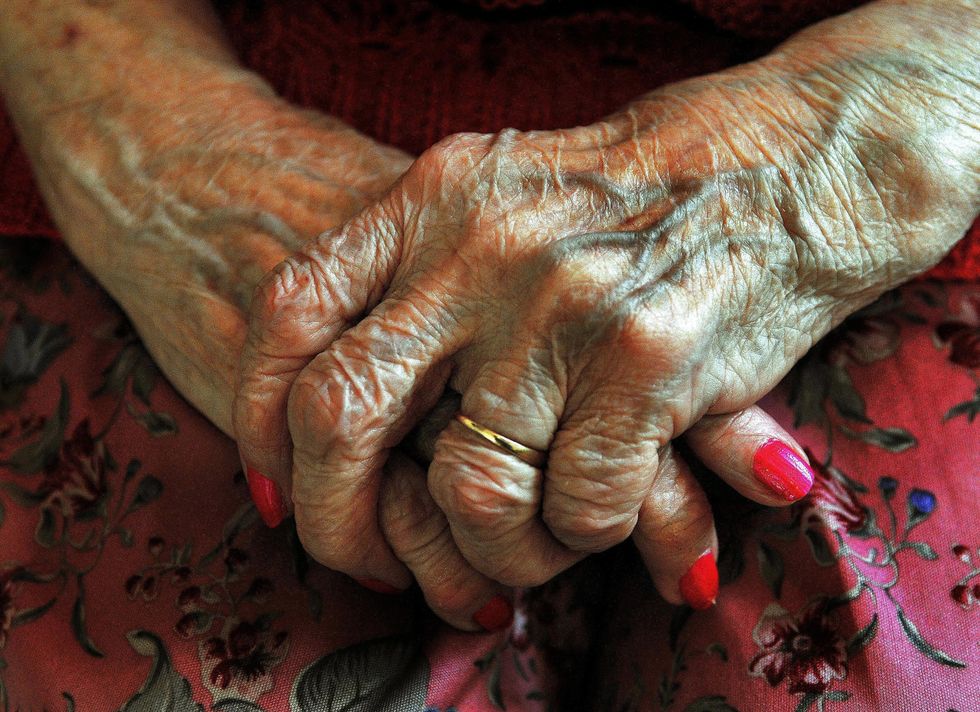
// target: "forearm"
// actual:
[[109, 96], [871, 121], [895, 87], [176, 177]]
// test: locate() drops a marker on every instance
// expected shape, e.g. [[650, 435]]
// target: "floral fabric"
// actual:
[[136, 576]]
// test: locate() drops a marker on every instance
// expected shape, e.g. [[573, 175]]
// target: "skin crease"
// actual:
[[598, 290], [179, 209], [179, 180]]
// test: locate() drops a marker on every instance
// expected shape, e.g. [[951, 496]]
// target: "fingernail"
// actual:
[[267, 498], [378, 586], [495, 615], [778, 467], [699, 586]]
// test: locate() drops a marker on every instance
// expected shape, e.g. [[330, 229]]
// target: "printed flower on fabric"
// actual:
[[806, 649], [16, 428], [966, 591], [963, 335], [864, 340], [76, 483], [239, 662], [831, 503]]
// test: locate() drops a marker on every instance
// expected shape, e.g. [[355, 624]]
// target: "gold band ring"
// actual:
[[534, 458]]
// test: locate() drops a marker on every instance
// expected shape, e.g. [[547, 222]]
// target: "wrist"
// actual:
[[893, 90], [868, 135]]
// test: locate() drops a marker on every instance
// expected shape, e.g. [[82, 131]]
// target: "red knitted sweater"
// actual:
[[408, 72]]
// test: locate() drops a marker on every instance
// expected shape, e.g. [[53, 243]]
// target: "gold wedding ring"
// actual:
[[534, 458]]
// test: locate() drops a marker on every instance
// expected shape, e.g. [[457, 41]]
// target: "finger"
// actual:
[[675, 535], [752, 453], [296, 312], [601, 465], [491, 497], [418, 532], [347, 409]]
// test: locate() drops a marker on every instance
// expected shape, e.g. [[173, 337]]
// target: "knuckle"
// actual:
[[454, 157], [457, 146], [280, 290], [407, 510], [333, 397], [478, 502], [603, 448], [296, 301], [478, 492], [584, 526], [656, 338]]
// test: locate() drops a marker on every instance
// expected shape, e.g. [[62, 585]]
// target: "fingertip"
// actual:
[[782, 470], [676, 536], [495, 615], [419, 535], [699, 584], [754, 454], [267, 497]]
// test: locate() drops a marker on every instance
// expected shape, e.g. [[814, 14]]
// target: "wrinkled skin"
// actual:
[[593, 293], [733, 220], [182, 187]]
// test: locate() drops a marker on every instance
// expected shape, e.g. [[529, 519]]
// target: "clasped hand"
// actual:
[[593, 293]]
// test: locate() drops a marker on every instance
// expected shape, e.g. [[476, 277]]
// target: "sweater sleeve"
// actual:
[[769, 19], [22, 212]]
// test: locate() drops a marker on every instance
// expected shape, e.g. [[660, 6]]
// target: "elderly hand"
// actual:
[[182, 180], [585, 295], [176, 177], [593, 293]]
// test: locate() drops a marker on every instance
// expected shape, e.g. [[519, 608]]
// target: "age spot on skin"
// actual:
[[69, 35]]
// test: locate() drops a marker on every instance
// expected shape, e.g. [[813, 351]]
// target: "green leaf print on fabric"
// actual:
[[711, 703], [156, 423], [133, 371], [969, 409], [489, 665], [164, 690], [236, 706], [78, 623], [822, 389], [863, 637], [31, 346], [385, 675], [918, 641], [35, 456], [772, 568], [890, 439]]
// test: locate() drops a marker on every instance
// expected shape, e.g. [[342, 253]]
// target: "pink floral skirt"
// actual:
[[135, 574]]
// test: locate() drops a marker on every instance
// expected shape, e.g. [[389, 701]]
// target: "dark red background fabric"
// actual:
[[409, 72]]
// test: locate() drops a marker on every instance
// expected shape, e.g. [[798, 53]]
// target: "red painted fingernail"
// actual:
[[267, 498], [779, 468], [699, 586], [378, 586], [495, 615]]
